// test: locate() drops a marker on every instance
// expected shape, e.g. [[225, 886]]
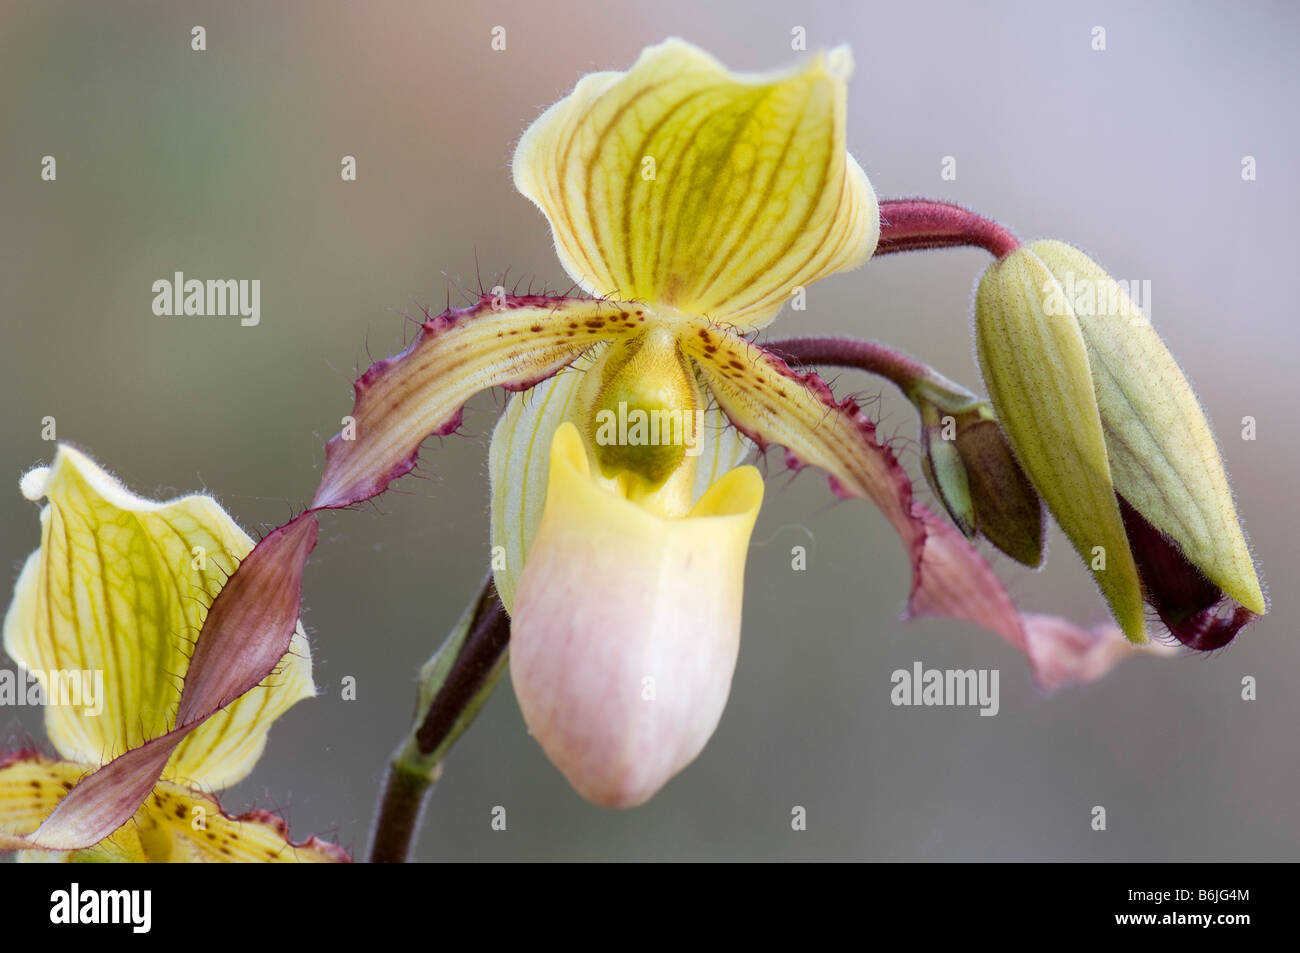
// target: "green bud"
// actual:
[[969, 465], [1097, 410]]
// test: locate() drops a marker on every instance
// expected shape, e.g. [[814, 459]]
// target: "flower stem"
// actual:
[[913, 224], [400, 808], [454, 684], [920, 383]]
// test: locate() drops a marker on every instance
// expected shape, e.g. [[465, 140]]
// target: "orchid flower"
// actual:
[[119, 588], [708, 199]]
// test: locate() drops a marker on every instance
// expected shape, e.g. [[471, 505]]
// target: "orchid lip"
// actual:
[[626, 626]]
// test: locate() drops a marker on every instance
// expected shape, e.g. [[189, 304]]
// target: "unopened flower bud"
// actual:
[[1111, 435]]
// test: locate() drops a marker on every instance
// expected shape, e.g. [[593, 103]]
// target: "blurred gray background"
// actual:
[[226, 164]]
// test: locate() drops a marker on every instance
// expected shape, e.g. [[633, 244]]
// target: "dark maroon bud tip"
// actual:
[[1195, 610], [1212, 628]]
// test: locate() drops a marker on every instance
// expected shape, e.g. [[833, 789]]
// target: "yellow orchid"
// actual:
[[690, 203], [709, 198], [120, 587]]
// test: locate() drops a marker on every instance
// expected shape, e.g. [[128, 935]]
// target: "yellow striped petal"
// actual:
[[687, 186], [120, 587], [175, 824], [30, 787], [185, 826]]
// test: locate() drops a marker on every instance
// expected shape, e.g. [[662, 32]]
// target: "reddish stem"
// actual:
[[867, 356], [913, 224], [921, 384]]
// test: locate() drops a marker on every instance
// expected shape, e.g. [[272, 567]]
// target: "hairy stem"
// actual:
[[913, 224], [920, 383], [454, 684]]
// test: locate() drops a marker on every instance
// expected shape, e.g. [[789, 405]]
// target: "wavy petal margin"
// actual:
[[682, 184], [505, 341], [774, 404], [194, 829]]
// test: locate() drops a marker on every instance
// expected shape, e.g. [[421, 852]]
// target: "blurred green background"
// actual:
[[226, 163]]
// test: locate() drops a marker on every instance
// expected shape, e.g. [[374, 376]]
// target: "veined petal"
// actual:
[[1063, 653], [503, 341], [679, 183], [519, 461], [119, 591], [627, 625], [772, 403], [222, 751], [174, 824], [245, 636], [31, 786], [190, 827]]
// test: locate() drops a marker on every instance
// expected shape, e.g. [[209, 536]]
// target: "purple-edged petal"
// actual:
[[502, 341], [774, 404], [175, 823], [187, 826], [247, 632], [1063, 654]]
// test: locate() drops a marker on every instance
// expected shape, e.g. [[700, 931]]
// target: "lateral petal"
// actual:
[[774, 404], [31, 786], [506, 341]]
